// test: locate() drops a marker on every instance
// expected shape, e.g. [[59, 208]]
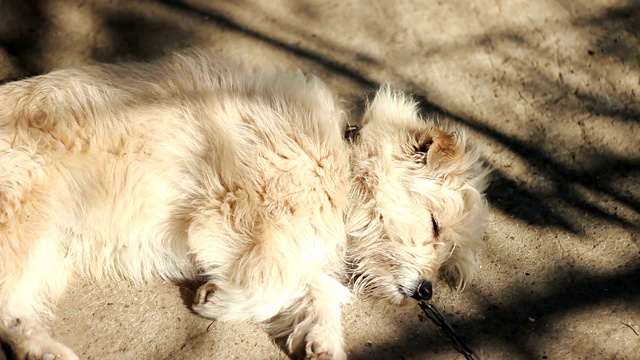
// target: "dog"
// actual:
[[190, 168]]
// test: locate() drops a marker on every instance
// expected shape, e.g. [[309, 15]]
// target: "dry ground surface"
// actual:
[[550, 89]]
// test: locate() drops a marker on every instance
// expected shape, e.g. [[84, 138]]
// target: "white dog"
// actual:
[[191, 169]]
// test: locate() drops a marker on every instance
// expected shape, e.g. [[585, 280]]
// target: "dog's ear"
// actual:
[[435, 146], [423, 142]]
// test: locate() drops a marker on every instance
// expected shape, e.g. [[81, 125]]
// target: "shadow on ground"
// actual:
[[524, 200], [569, 184], [574, 186]]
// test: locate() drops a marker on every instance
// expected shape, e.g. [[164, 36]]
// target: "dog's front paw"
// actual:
[[315, 351], [323, 349]]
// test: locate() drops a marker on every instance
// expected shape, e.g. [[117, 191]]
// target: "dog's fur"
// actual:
[[193, 169]]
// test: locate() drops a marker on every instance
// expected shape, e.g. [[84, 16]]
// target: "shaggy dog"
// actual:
[[189, 168]]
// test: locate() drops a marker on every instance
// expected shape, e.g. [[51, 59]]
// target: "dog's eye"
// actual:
[[436, 228]]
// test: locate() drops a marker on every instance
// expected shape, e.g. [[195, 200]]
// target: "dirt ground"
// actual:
[[550, 89]]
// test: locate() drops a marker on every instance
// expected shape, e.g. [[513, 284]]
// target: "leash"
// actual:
[[458, 342]]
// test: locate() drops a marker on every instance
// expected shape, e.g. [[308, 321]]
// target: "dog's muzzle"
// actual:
[[424, 291]]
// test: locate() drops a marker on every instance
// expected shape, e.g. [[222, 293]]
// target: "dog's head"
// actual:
[[417, 203]]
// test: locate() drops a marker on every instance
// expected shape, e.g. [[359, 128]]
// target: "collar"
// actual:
[[351, 132]]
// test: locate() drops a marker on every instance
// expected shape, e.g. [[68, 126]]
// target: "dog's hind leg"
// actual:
[[23, 304], [33, 268], [29, 340], [25, 292]]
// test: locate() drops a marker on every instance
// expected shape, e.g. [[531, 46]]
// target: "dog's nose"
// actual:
[[424, 291]]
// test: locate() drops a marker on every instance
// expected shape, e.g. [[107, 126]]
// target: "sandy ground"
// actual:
[[551, 89]]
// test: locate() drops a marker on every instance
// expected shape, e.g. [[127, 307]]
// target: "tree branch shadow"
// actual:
[[562, 206], [509, 325], [505, 325], [523, 202]]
